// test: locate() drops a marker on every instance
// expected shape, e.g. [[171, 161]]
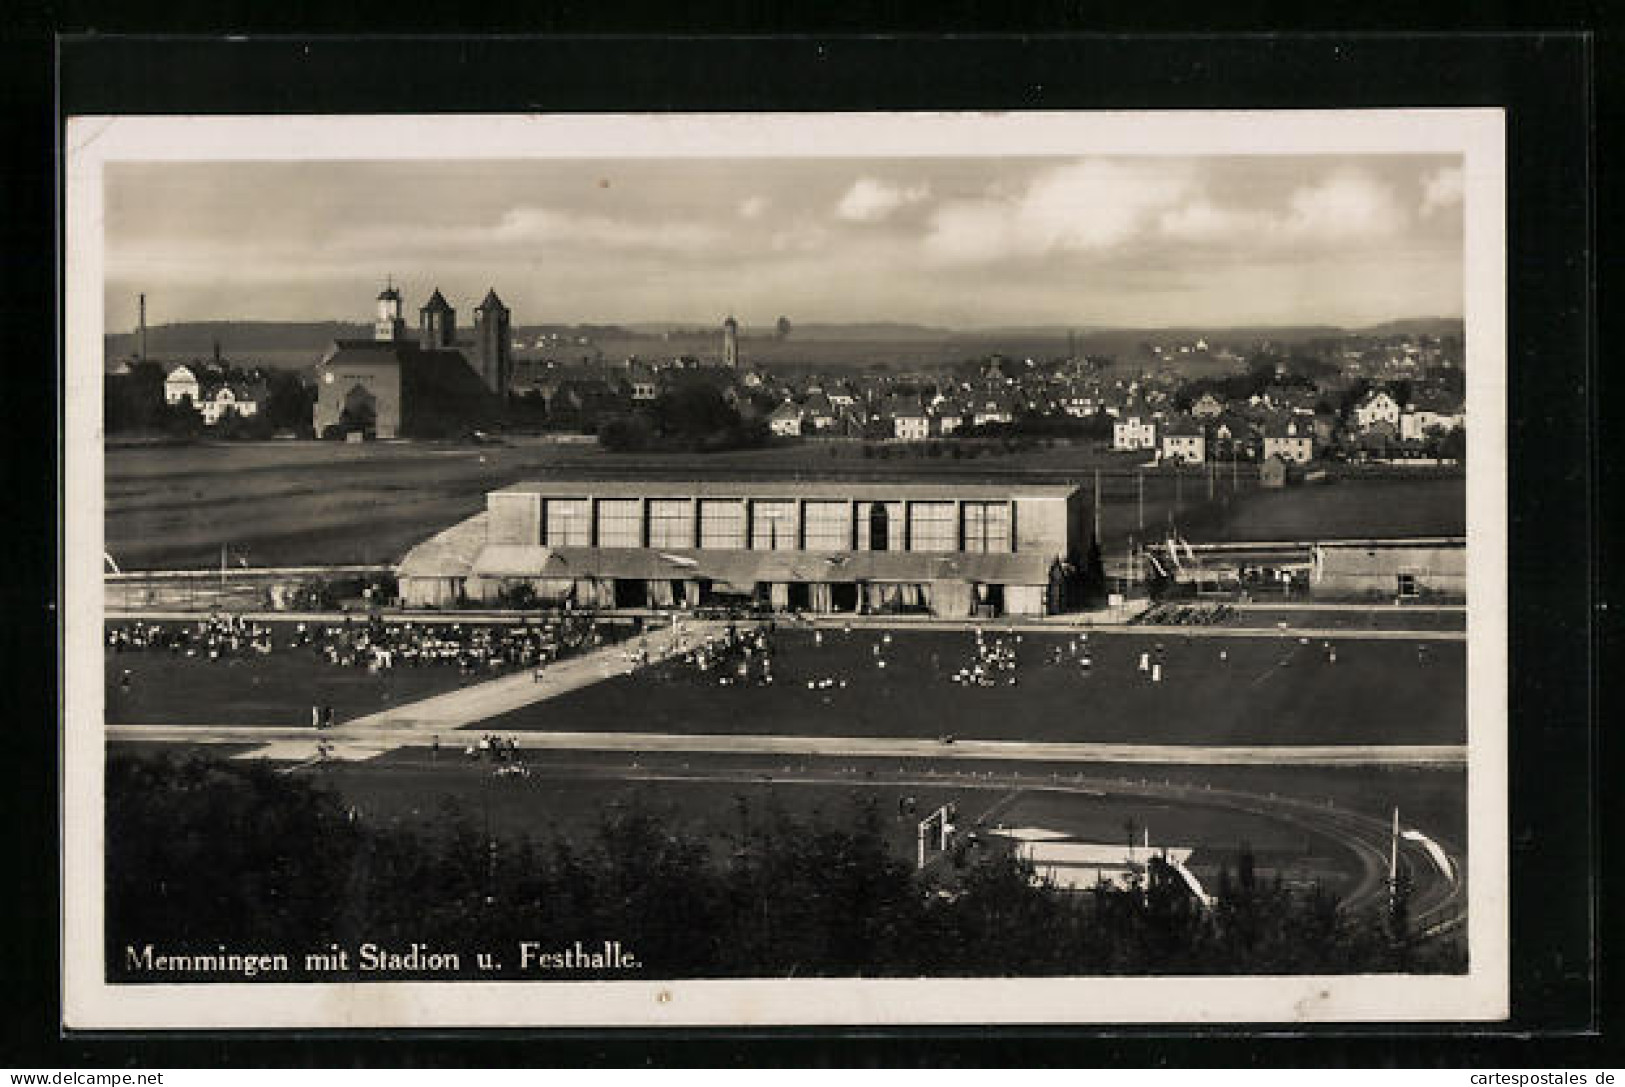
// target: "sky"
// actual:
[[971, 242]]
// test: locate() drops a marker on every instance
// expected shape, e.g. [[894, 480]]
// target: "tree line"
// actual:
[[203, 853]]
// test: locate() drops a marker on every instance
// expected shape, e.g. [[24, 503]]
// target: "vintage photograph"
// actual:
[[764, 569]]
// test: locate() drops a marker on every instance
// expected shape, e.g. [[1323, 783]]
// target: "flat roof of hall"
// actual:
[[786, 488]]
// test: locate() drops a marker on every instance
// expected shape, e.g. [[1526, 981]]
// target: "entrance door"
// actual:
[[843, 596], [800, 596], [360, 414]]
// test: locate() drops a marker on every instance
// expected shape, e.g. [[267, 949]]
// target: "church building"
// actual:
[[398, 386]]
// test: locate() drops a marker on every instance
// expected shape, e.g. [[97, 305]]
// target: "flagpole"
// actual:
[[1393, 862], [1097, 505]]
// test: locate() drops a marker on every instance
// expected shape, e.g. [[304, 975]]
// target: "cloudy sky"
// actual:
[[963, 242]]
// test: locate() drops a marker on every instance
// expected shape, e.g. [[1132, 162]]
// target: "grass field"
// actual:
[[1361, 619], [322, 503], [1268, 691], [278, 689]]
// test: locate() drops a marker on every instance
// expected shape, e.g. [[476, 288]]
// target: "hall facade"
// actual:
[[949, 549]]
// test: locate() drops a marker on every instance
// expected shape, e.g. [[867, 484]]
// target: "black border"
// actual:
[[1544, 81]]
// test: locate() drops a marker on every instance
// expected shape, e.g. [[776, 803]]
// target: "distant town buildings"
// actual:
[[1185, 402]]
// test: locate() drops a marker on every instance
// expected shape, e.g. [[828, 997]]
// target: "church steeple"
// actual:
[[437, 323], [493, 343], [389, 325]]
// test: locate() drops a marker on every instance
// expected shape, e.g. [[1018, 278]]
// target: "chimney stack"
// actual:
[[143, 328]]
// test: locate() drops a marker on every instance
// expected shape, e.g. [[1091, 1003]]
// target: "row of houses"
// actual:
[[1289, 428], [215, 392]]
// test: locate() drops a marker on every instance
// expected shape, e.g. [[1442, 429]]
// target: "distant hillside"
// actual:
[[890, 344], [275, 343], [1419, 326]]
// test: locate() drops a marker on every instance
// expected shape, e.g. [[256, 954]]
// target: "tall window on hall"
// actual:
[[722, 524], [987, 526], [932, 527], [828, 526], [773, 526], [880, 526], [568, 522], [671, 522], [620, 522]]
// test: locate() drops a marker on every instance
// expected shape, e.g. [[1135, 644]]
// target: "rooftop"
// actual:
[[858, 490]]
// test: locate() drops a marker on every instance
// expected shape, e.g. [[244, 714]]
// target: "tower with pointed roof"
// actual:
[[730, 343], [437, 324], [390, 326], [493, 343]]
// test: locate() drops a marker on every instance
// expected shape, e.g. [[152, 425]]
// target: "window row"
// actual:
[[779, 525]]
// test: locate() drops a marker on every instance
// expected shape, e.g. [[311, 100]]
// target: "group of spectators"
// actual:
[[375, 644], [214, 637]]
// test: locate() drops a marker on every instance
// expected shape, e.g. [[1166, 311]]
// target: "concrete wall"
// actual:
[[1374, 571], [515, 518]]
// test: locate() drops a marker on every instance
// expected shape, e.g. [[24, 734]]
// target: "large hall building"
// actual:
[[942, 548]]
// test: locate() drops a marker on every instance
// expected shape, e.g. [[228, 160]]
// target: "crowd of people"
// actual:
[[739, 656], [213, 637], [375, 644], [995, 661]]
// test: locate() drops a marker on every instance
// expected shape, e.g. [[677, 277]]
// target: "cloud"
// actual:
[[1442, 189], [800, 236], [752, 207], [543, 226], [1345, 207], [1083, 206], [870, 201], [1203, 222]]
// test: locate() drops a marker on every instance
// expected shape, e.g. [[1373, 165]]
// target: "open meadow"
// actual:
[[323, 503]]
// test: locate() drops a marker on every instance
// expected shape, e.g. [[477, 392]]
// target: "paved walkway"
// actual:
[[415, 722], [351, 742]]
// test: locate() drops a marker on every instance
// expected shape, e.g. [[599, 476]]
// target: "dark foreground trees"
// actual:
[[203, 854]]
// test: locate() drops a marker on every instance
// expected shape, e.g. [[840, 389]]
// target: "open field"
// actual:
[[278, 689], [322, 503], [1266, 691]]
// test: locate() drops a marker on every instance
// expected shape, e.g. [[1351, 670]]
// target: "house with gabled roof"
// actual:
[[785, 420], [1430, 410], [1289, 439], [1376, 406], [1184, 441]]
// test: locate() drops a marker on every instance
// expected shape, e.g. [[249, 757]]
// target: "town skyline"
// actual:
[[963, 244]]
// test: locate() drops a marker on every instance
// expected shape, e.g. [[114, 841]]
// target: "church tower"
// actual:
[[389, 326], [493, 343], [730, 344], [437, 324]]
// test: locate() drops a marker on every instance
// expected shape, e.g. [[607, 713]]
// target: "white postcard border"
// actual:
[[91, 143]]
